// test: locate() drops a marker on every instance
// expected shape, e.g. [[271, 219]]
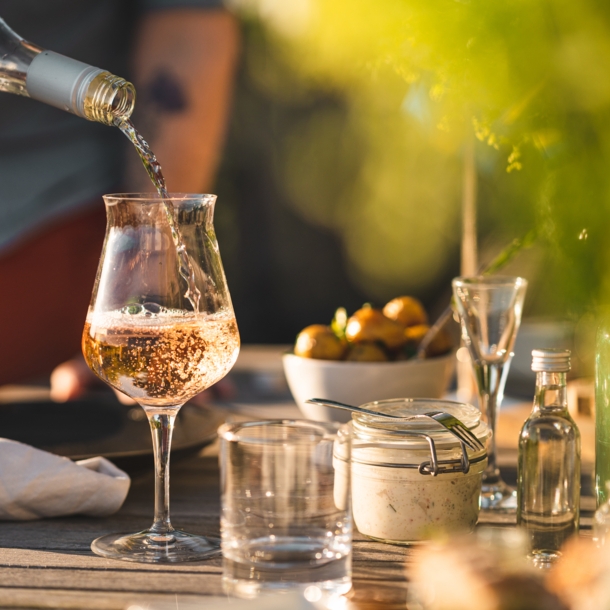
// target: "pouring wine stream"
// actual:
[[153, 169]]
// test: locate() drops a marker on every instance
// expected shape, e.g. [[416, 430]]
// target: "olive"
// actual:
[[366, 352], [440, 344], [414, 334], [319, 341], [407, 311], [369, 324]]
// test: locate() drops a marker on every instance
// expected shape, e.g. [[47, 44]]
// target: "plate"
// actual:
[[97, 424]]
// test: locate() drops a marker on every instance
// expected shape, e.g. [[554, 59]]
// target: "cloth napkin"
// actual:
[[36, 484]]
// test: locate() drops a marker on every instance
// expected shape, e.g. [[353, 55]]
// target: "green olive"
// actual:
[[366, 352], [369, 324], [320, 342], [407, 311], [440, 344]]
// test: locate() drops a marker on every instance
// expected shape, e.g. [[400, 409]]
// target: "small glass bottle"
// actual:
[[91, 93], [548, 488]]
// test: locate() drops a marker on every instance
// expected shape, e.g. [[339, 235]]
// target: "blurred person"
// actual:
[[54, 167]]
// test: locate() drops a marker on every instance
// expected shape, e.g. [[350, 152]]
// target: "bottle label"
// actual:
[[60, 81]]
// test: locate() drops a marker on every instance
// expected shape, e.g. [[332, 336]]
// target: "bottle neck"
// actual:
[[61, 81], [551, 391], [16, 55], [79, 88], [108, 99]]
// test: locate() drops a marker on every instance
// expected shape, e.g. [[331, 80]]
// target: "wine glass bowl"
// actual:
[[160, 359], [154, 338], [490, 311]]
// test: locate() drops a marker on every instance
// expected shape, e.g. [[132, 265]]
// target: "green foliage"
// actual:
[[414, 80], [339, 323], [518, 244]]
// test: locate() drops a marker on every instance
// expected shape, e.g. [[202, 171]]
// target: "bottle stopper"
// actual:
[[551, 360]]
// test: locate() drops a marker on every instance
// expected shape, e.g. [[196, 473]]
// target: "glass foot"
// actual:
[[544, 559], [328, 593], [498, 497], [151, 547]]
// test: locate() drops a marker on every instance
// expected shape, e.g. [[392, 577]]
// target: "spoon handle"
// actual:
[[434, 330], [340, 405]]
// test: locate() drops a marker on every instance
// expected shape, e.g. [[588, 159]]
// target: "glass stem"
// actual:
[[161, 427], [491, 379]]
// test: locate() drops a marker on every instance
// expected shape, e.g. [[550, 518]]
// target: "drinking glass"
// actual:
[[145, 337], [286, 521], [490, 314]]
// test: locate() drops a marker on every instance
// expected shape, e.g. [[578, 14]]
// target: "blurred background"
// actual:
[[352, 127], [355, 130], [358, 131]]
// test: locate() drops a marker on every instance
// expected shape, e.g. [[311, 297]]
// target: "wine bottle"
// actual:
[[57, 80]]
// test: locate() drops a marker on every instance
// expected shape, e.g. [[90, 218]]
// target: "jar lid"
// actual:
[[410, 407], [407, 443]]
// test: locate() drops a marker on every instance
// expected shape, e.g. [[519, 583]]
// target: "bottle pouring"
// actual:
[[86, 91]]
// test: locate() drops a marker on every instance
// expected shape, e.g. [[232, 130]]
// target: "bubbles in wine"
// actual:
[[160, 358]]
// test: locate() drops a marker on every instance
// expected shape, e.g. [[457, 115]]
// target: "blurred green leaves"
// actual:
[[414, 80]]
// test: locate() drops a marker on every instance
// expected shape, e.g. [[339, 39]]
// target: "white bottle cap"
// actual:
[[60, 81], [551, 360]]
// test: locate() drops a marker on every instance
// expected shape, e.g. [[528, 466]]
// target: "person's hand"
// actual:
[[223, 390], [73, 378]]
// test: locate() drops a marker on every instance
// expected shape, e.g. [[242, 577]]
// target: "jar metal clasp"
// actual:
[[436, 466], [431, 467]]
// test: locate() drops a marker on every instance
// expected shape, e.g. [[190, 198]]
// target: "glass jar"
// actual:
[[412, 478]]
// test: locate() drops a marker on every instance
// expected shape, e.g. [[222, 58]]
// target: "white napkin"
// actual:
[[36, 484]]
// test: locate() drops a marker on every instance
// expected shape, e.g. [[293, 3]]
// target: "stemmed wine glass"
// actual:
[[490, 314], [158, 340]]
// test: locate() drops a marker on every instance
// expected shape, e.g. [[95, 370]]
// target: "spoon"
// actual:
[[341, 405], [448, 421]]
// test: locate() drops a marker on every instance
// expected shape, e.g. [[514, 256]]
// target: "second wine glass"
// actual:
[[490, 315], [145, 337]]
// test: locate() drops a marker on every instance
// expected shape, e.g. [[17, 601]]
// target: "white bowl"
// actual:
[[356, 383]]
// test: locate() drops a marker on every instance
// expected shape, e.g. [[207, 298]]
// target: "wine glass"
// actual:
[[158, 340], [490, 314]]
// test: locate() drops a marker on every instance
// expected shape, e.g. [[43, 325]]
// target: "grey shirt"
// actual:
[[52, 162]]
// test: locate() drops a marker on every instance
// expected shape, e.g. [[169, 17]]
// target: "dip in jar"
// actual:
[[414, 478]]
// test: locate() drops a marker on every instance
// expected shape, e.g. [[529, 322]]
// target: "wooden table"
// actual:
[[48, 564]]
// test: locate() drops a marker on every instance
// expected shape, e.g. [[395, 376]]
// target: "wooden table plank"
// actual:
[[109, 600]]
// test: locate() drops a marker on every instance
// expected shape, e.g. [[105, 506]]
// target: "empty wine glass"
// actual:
[[150, 337], [490, 314]]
